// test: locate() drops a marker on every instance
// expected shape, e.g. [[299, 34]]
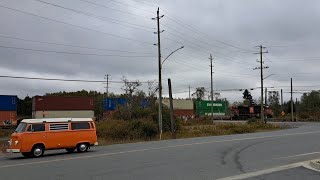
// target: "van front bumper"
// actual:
[[13, 150]]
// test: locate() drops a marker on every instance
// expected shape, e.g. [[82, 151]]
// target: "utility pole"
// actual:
[[261, 76], [189, 92], [211, 87], [159, 64], [107, 84], [266, 96], [296, 109], [104, 98], [291, 102], [281, 98], [173, 129]]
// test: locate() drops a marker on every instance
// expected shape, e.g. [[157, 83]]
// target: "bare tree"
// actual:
[[152, 88], [130, 88], [200, 93]]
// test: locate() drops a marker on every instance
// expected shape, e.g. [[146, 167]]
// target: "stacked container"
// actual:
[[8, 110], [181, 107], [62, 107], [111, 104], [203, 108]]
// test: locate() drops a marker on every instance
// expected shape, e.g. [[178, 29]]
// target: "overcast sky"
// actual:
[[117, 39]]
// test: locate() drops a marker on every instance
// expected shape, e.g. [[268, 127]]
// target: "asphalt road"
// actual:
[[197, 158]]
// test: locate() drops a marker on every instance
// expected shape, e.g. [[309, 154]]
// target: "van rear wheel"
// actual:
[[82, 147], [70, 150], [37, 151]]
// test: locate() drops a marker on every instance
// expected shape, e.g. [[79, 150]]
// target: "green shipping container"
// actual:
[[203, 108]]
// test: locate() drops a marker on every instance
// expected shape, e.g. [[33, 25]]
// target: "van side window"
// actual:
[[36, 128], [80, 125], [58, 127], [91, 123]]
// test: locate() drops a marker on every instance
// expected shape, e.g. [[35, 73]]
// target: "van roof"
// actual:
[[56, 120]]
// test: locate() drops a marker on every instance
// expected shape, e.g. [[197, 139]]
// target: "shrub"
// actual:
[[253, 120], [166, 121], [304, 116], [149, 129], [117, 130]]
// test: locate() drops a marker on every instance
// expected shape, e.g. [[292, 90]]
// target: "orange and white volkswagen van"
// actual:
[[34, 136]]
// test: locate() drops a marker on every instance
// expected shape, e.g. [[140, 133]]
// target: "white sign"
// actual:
[[215, 104]]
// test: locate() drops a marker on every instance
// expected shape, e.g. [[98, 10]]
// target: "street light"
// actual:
[[160, 89], [171, 54], [268, 76]]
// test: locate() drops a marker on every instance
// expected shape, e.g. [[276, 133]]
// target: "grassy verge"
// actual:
[[190, 129], [218, 129], [4, 136], [3, 147]]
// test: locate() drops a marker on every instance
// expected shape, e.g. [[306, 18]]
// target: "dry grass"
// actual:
[[218, 129], [204, 129], [6, 133], [3, 147]]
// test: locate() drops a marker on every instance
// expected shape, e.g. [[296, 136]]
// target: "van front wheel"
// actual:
[[83, 147], [37, 151]]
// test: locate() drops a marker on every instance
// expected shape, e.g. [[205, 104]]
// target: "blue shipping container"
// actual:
[[8, 103], [111, 104], [144, 103]]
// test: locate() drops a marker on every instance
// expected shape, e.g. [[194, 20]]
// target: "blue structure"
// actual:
[[144, 103], [111, 104], [8, 103]]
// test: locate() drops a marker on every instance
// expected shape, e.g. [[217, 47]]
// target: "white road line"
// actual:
[[298, 155], [156, 148], [268, 171]]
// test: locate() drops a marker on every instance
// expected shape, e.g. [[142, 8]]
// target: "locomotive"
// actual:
[[252, 111]]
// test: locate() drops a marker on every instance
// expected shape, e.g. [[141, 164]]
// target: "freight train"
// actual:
[[83, 107], [183, 108], [247, 112]]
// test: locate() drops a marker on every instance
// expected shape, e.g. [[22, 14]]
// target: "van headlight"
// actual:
[[16, 143]]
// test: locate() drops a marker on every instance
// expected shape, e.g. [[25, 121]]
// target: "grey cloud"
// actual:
[[241, 23]]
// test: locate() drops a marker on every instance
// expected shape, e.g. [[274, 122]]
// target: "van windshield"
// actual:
[[21, 128]]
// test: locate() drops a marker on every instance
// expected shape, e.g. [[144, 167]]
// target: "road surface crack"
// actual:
[[236, 158]]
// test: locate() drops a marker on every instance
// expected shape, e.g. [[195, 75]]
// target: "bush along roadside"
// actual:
[[121, 131]]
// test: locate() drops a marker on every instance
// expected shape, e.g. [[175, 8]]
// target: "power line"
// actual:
[[203, 34], [98, 17], [103, 6], [200, 48], [267, 58], [59, 79], [142, 2], [68, 45], [299, 86], [209, 44], [73, 53], [69, 24], [131, 6]]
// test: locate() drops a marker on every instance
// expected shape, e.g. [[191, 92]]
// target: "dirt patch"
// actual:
[[3, 148]]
